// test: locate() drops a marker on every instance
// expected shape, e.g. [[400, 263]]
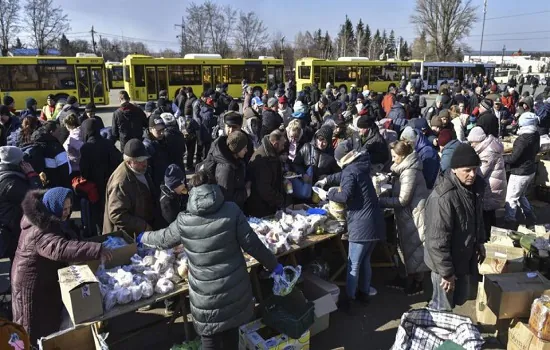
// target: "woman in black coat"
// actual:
[[318, 154]]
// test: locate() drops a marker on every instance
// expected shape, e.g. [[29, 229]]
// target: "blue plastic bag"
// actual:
[[301, 189]]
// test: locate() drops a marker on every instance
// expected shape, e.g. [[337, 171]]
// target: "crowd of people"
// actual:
[[447, 163]]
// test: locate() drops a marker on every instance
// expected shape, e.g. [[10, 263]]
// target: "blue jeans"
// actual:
[[359, 269], [443, 301]]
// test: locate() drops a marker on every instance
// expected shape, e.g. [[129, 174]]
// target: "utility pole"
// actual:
[[282, 48], [503, 50], [93, 40], [483, 28], [181, 36]]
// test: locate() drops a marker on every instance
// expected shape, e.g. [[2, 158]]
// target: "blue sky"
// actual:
[[153, 21]]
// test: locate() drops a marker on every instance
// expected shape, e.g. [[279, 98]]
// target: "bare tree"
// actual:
[[9, 20], [46, 22], [250, 35], [446, 23], [220, 23], [196, 28]]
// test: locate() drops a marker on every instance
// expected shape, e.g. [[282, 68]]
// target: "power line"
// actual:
[[137, 39], [518, 15], [498, 34], [517, 39]]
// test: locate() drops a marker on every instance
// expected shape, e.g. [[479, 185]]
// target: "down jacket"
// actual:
[[522, 161], [323, 162], [493, 171], [409, 195], [455, 228], [43, 249], [430, 159], [365, 218], [214, 233]]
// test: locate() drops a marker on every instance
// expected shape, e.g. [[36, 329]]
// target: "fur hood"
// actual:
[[35, 212]]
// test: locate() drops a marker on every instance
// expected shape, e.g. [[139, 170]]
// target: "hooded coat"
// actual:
[[98, 157], [72, 146], [408, 198], [447, 154], [398, 116], [493, 171], [252, 134], [43, 249], [214, 233], [129, 121], [489, 123], [365, 219], [266, 174], [430, 159]]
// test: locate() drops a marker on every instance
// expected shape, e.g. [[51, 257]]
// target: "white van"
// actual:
[[503, 76]]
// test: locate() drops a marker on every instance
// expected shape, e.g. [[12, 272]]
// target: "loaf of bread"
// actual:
[[540, 317]]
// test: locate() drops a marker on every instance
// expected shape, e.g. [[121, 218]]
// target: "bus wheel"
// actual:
[[257, 91], [59, 97], [343, 86]]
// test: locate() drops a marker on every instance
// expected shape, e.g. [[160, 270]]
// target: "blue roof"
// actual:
[[33, 52]]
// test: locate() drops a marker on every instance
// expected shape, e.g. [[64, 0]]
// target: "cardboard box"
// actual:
[[257, 336], [499, 236], [80, 293], [521, 337], [502, 259], [510, 295], [320, 295], [121, 256], [484, 314], [82, 338]]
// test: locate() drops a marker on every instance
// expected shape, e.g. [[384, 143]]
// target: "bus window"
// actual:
[[83, 82], [425, 74], [403, 71], [459, 73], [139, 76], [255, 74], [316, 74], [127, 74], [151, 78], [304, 72], [377, 73], [117, 73], [57, 77], [184, 75], [363, 73], [391, 73], [346, 74], [5, 82], [236, 74], [446, 73], [24, 77], [278, 75], [97, 82], [331, 74], [162, 79]]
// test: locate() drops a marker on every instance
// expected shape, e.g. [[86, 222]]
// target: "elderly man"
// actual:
[[455, 232], [130, 204]]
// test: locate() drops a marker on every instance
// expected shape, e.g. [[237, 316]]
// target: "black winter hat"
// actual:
[[324, 100], [174, 177], [90, 107], [464, 156], [233, 119], [4, 110], [365, 122], [237, 141], [155, 121], [135, 149], [487, 104], [8, 100], [71, 100], [325, 132]]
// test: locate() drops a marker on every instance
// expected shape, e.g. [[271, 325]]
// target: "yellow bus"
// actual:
[[115, 74], [345, 71], [39, 76], [145, 76]]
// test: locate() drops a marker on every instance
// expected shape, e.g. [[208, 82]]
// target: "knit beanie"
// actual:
[[487, 104], [55, 198], [10, 155], [436, 121], [341, 150], [445, 136], [477, 135], [445, 113], [237, 141], [325, 132], [409, 134], [464, 156], [365, 122], [8, 100], [174, 177], [439, 98]]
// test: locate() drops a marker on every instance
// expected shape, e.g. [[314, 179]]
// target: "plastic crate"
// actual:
[[291, 315]]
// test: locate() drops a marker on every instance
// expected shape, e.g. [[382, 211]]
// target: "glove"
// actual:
[[321, 183], [278, 270], [138, 239]]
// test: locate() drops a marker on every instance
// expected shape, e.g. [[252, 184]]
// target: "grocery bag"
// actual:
[[301, 189]]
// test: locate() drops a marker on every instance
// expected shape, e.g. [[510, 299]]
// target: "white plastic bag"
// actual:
[[136, 292], [123, 296], [109, 300], [151, 275], [164, 286], [283, 284], [147, 289]]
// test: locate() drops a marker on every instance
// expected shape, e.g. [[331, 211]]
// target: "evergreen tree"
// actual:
[[391, 45], [367, 41], [64, 46], [346, 38], [359, 38], [405, 52], [18, 44]]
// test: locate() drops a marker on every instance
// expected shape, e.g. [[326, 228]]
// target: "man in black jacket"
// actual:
[[156, 146], [523, 168], [455, 232], [16, 179], [369, 139], [487, 119], [129, 121], [271, 120]]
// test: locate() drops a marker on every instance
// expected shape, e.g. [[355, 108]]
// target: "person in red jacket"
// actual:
[[388, 100]]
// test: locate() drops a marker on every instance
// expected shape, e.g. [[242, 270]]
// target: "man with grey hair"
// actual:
[[271, 120], [129, 203]]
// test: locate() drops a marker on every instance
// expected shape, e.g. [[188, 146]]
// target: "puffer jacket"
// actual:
[[455, 227], [175, 141], [72, 146], [322, 161], [214, 233], [398, 116], [365, 218], [229, 172], [522, 161], [14, 185], [459, 125], [43, 249], [430, 159], [266, 173], [493, 172], [447, 154], [409, 195], [129, 121]]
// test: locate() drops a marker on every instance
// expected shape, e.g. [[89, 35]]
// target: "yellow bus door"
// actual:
[[85, 91], [362, 77], [151, 83], [162, 82], [323, 79], [217, 75], [206, 78], [98, 85]]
